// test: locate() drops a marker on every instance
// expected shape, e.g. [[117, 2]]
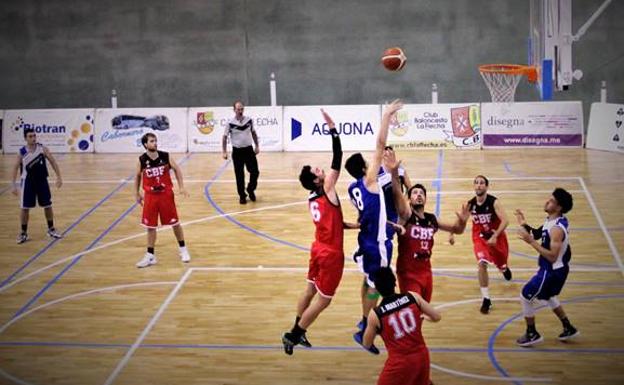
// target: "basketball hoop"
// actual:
[[502, 79]]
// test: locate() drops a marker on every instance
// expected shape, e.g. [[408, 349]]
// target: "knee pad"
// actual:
[[527, 307], [553, 302]]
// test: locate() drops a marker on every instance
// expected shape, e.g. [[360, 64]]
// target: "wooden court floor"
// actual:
[[77, 311]]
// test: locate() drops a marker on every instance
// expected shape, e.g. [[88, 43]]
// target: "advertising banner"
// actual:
[[436, 126], [1, 118], [532, 124], [207, 124], [606, 130], [60, 130], [121, 129], [306, 130]]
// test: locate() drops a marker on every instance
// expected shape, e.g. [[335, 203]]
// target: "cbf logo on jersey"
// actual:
[[422, 233], [155, 171], [482, 219]]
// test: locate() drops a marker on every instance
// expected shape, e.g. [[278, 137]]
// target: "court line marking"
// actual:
[[81, 294], [185, 277], [592, 204], [205, 219], [124, 361], [187, 274], [451, 350], [67, 298], [291, 180], [75, 261], [499, 329], [67, 230], [138, 235], [250, 229]]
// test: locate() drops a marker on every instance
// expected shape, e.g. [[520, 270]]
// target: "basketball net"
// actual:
[[502, 79]]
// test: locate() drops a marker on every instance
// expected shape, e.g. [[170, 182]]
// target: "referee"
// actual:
[[241, 132]]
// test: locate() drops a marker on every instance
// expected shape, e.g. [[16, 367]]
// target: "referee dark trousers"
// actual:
[[245, 157]]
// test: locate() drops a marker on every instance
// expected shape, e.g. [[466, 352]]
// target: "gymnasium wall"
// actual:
[[156, 53]]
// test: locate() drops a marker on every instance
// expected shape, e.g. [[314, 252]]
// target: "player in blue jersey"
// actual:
[[553, 262], [31, 161], [374, 239]]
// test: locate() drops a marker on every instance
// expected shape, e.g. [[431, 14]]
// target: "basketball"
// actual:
[[394, 59]]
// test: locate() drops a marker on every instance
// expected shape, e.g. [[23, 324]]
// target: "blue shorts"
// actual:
[[545, 284], [35, 191], [369, 259]]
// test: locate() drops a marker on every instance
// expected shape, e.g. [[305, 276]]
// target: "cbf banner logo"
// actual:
[[61, 130], [205, 122], [466, 122], [422, 126], [306, 130], [207, 126]]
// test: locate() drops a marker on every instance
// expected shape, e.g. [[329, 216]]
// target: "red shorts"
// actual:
[[421, 283], [496, 255], [160, 204], [409, 369], [325, 269]]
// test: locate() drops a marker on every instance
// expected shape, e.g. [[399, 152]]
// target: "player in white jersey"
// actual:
[[553, 262], [31, 161]]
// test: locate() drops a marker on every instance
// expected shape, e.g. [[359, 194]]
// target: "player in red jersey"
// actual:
[[488, 236], [416, 235], [327, 255], [157, 199], [398, 319]]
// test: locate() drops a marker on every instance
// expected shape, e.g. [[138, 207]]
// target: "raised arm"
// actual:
[[426, 308], [178, 174], [459, 225], [556, 241], [55, 167], [382, 137], [537, 233], [402, 204], [329, 185], [406, 180]]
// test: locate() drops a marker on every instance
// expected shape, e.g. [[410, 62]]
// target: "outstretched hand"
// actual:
[[464, 213], [390, 160], [524, 235], [520, 217], [393, 107], [328, 119]]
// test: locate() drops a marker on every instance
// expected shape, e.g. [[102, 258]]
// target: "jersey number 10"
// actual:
[[404, 324]]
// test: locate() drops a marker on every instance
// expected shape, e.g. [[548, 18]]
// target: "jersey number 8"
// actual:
[[357, 198]]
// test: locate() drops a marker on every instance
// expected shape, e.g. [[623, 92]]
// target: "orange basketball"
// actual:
[[394, 59]]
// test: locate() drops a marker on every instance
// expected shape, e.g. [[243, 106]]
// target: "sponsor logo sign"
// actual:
[[207, 125], [532, 124], [306, 130], [61, 130], [120, 130]]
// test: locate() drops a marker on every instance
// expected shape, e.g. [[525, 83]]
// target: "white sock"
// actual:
[[485, 292]]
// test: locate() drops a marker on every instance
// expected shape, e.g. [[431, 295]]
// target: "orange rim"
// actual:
[[510, 69]]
